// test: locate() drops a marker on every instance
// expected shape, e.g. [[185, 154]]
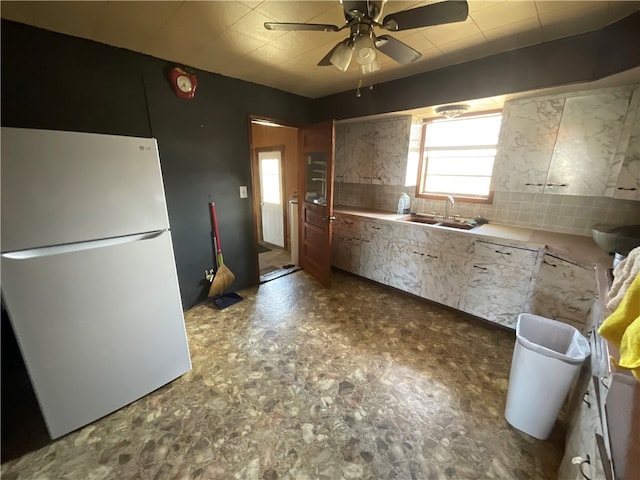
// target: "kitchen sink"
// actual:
[[458, 226], [435, 222], [420, 219]]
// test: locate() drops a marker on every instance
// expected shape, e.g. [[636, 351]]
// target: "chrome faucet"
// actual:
[[448, 202]]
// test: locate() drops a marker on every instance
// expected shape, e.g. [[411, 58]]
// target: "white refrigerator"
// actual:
[[88, 275]]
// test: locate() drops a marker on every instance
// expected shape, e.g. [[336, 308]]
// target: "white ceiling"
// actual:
[[228, 37]]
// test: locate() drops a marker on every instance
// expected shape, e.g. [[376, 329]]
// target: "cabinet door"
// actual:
[[525, 146], [444, 276], [563, 291], [505, 254], [586, 143], [496, 292], [581, 438], [353, 159], [340, 161], [405, 266], [391, 149], [345, 253], [345, 245], [628, 182], [374, 255]]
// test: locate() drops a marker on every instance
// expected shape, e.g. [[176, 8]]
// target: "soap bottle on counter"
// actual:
[[404, 204]]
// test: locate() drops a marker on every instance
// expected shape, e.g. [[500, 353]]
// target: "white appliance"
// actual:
[[88, 273]]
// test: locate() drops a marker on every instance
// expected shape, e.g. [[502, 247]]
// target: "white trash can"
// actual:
[[546, 359]]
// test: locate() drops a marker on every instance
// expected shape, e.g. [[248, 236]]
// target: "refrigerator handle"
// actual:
[[76, 247]]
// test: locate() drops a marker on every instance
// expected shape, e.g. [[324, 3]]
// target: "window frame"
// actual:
[[422, 164]]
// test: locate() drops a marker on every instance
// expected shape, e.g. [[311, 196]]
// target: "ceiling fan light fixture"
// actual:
[[367, 68], [452, 111], [341, 58], [365, 50]]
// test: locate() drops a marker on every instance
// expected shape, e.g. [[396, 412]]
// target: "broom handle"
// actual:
[[214, 220]]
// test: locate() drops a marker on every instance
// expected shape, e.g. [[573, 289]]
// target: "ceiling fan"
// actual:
[[362, 16]]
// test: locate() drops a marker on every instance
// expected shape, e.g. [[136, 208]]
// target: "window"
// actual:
[[457, 157]]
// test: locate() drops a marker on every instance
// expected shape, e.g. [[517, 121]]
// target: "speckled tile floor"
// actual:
[[299, 382]]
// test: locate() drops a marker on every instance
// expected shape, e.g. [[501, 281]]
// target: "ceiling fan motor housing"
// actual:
[[362, 8]]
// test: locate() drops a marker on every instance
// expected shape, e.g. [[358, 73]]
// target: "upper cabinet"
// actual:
[[624, 179], [525, 146], [564, 145], [373, 151], [586, 143]]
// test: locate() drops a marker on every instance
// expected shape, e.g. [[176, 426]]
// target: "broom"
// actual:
[[223, 277]]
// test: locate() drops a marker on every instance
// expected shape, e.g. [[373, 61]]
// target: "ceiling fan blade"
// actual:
[[435, 14], [290, 27], [396, 50]]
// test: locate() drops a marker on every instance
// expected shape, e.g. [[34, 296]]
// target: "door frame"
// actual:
[[257, 198], [255, 186]]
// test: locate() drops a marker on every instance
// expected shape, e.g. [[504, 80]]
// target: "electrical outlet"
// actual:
[[243, 191]]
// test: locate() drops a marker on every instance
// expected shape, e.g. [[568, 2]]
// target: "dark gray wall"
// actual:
[[59, 82], [580, 58]]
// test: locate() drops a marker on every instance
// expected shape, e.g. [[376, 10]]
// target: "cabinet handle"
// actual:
[[481, 268], [535, 184], [586, 394], [503, 253], [556, 184], [550, 264], [366, 240], [376, 228], [629, 189], [431, 256], [581, 461], [418, 253]]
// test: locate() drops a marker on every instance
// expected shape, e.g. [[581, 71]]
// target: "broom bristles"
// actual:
[[223, 279]]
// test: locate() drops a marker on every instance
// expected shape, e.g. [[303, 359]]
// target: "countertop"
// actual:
[[577, 248]]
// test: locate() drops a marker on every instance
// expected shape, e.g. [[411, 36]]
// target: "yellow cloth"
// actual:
[[622, 328]]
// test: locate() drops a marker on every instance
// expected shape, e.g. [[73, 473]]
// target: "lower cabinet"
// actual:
[[444, 277], [582, 457], [498, 282], [374, 254], [490, 280], [406, 265], [346, 243], [345, 252], [562, 290]]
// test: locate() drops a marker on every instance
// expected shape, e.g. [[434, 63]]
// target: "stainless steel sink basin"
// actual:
[[457, 226], [616, 239], [420, 219], [436, 222]]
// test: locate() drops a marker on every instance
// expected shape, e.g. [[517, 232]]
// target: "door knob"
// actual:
[[330, 218]]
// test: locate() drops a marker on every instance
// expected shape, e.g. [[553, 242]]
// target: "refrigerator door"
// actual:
[[66, 187], [99, 324]]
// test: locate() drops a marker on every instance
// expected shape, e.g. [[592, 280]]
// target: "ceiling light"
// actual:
[[341, 58], [365, 49], [452, 111], [366, 68]]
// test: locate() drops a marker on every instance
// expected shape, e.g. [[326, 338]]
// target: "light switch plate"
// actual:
[[243, 191]]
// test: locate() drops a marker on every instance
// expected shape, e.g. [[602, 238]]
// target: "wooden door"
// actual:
[[316, 144]]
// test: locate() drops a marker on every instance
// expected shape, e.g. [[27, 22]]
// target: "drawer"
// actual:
[[505, 254]]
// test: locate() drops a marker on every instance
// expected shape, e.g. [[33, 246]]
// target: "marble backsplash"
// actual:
[[557, 213]]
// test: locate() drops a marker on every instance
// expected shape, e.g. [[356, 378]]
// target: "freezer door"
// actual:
[[99, 324], [66, 187]]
